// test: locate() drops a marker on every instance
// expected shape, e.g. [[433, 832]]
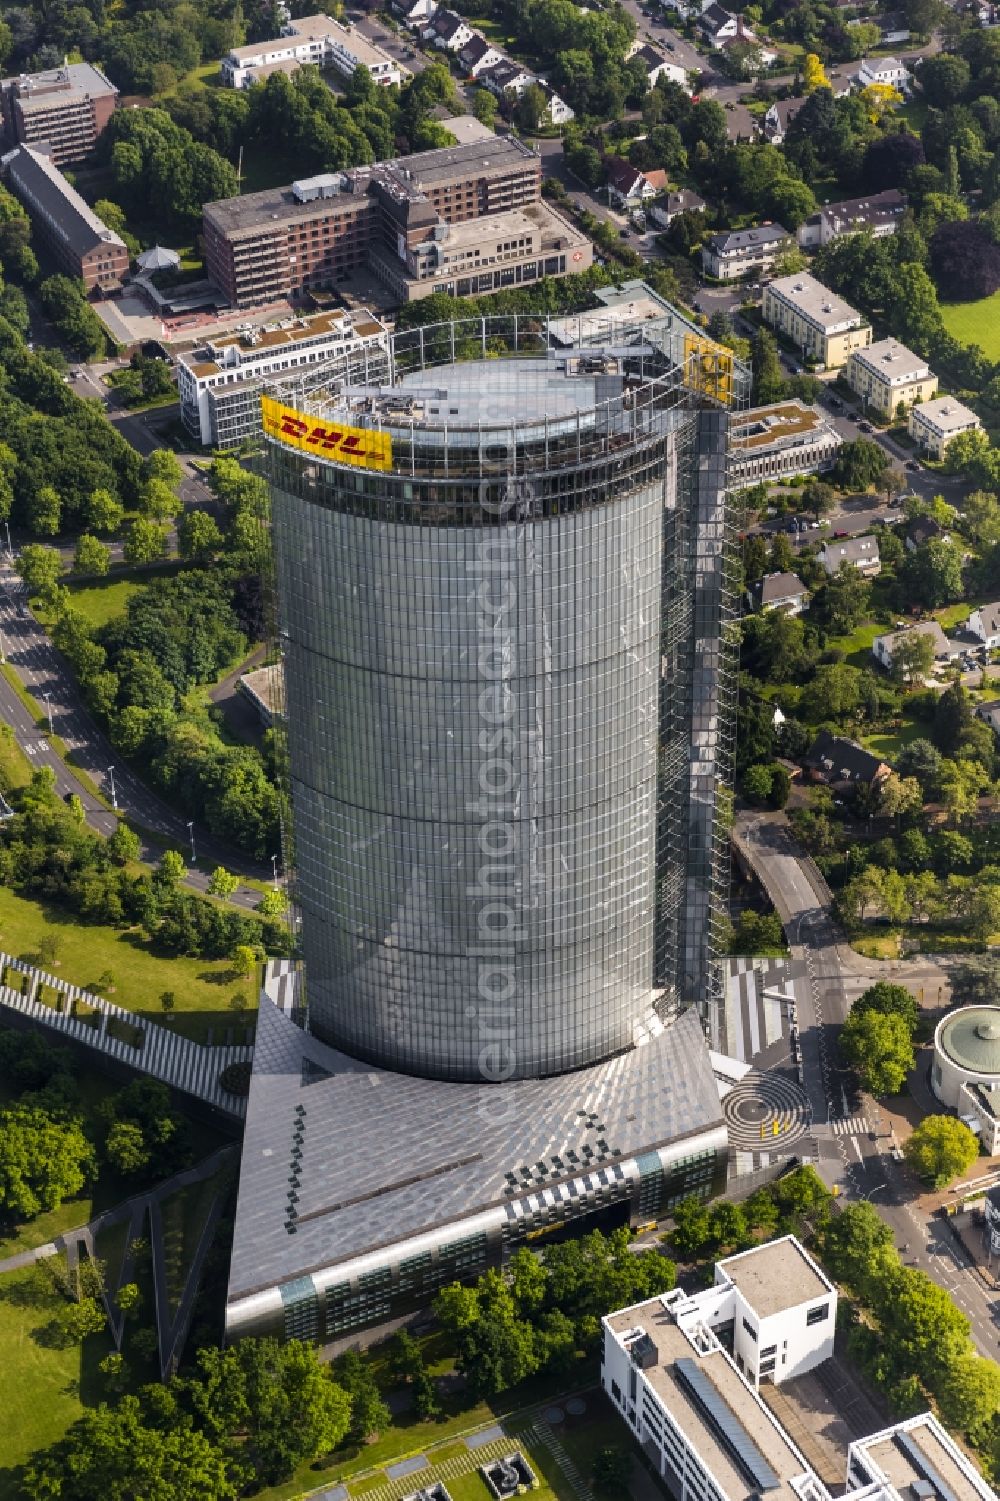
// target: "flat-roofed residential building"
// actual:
[[783, 439], [825, 327], [738, 252], [879, 214], [672, 1369], [918, 1458], [887, 376], [479, 256], [933, 424], [219, 382], [315, 39], [65, 108], [81, 243], [267, 246]]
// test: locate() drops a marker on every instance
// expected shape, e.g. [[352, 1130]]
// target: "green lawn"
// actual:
[[41, 1384], [202, 987], [857, 647], [975, 323], [102, 602], [14, 768], [889, 743]]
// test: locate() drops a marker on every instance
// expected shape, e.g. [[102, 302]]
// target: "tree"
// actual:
[[91, 556], [223, 883], [692, 1232], [198, 536], [890, 159], [969, 1396], [879, 1047], [171, 868], [768, 381], [819, 498], [426, 1402], [484, 107], [272, 905], [612, 1473], [860, 465], [898, 796], [889, 1000], [269, 1405], [530, 108], [111, 1454], [104, 512], [965, 261], [858, 1247], [128, 1297], [913, 657], [145, 542], [245, 958], [168, 1002], [932, 576], [369, 1414], [843, 601], [42, 1161], [813, 74], [40, 567], [834, 693], [45, 512], [82, 1319], [940, 1148], [758, 783]]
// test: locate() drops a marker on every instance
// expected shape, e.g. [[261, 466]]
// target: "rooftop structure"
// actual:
[[317, 39], [78, 240], [785, 438], [219, 381], [775, 1277], [509, 1028], [822, 325], [64, 108]]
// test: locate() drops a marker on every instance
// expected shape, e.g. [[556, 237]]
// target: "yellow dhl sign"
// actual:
[[347, 445], [709, 368]]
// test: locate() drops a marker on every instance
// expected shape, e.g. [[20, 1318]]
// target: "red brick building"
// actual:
[[65, 109], [82, 244]]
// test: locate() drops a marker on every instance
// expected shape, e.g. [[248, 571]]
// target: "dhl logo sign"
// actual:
[[347, 445], [709, 368]]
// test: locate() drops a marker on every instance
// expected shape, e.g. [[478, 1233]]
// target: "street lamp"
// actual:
[[274, 871], [10, 550], [48, 708], [111, 778], [194, 855]]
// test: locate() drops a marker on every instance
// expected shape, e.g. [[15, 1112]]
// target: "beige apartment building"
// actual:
[[825, 327], [887, 375], [933, 424]]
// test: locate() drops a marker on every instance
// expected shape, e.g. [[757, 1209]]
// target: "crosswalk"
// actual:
[[851, 1125]]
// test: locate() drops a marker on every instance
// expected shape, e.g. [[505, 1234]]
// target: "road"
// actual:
[[27, 650], [856, 1142]]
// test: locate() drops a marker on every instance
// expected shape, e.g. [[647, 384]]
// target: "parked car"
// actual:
[[838, 535], [912, 464], [866, 427]]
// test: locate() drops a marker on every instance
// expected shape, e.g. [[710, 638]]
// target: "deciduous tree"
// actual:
[[940, 1148]]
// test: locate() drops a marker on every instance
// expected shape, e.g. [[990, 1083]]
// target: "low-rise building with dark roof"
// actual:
[[843, 763], [81, 243], [884, 647], [779, 116], [665, 209], [880, 214], [860, 552], [737, 252], [921, 531], [779, 591]]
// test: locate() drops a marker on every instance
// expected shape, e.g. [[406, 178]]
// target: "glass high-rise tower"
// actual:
[[504, 569], [508, 704]]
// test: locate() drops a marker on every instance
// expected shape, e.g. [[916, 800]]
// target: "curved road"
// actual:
[[26, 648]]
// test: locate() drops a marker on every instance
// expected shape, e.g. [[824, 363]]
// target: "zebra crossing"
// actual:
[[851, 1125]]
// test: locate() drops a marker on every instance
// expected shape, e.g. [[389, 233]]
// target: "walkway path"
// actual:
[[122, 1035]]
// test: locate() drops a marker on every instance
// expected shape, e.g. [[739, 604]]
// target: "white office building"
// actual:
[[682, 1372], [219, 381], [311, 39]]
